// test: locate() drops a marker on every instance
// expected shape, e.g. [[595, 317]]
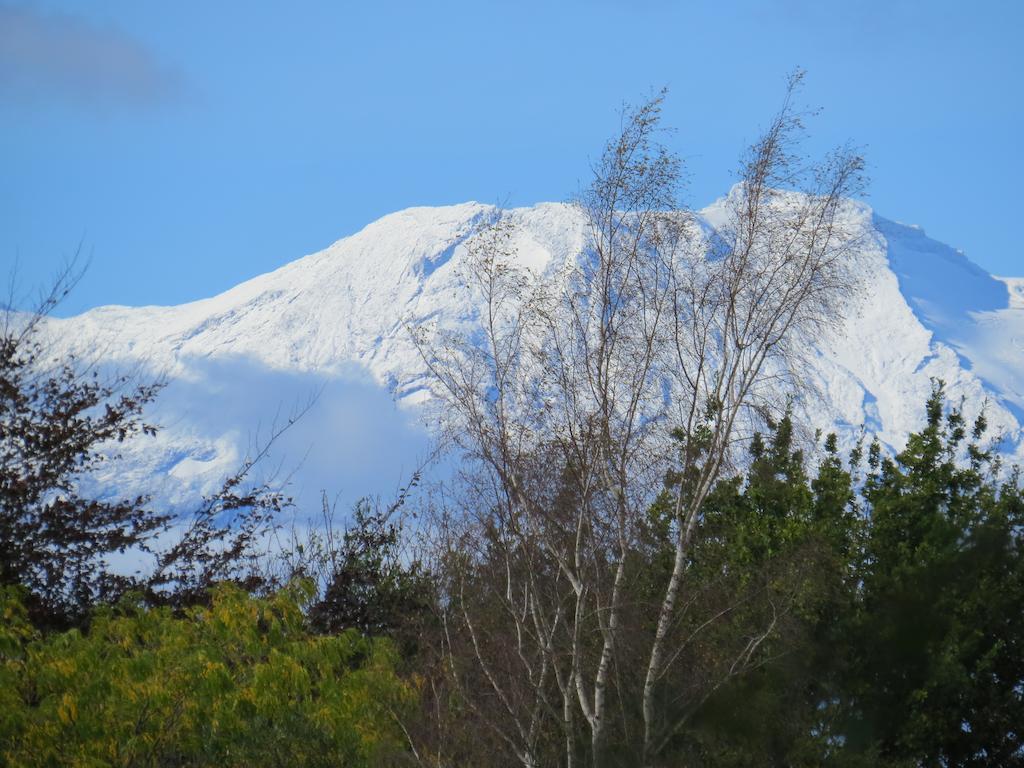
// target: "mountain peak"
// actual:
[[342, 315]]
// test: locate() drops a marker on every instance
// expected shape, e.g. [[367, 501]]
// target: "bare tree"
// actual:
[[565, 401], [775, 275], [490, 558]]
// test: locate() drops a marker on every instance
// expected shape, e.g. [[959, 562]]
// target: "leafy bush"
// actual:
[[239, 683]]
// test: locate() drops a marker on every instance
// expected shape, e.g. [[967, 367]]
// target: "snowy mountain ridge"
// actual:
[[335, 322]]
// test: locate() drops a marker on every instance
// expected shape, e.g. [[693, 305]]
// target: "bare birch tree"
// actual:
[[565, 400], [775, 276]]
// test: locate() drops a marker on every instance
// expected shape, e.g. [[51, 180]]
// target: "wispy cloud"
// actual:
[[50, 56]]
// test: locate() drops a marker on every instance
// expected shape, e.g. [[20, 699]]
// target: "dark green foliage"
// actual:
[[369, 587], [781, 544], [902, 639], [938, 673]]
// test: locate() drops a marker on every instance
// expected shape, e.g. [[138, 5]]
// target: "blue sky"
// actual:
[[188, 146]]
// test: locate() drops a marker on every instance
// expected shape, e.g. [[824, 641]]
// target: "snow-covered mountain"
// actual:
[[334, 323]]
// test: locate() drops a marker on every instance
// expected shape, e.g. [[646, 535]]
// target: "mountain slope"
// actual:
[[336, 322]]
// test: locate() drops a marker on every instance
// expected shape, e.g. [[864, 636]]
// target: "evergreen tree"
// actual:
[[370, 586], [938, 677], [787, 545]]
